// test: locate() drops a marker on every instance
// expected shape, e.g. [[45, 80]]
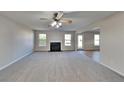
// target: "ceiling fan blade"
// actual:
[[68, 21], [60, 15], [45, 19]]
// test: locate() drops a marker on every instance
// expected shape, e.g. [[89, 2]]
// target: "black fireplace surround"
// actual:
[[55, 46]]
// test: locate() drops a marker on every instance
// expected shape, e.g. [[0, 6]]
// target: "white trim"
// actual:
[[121, 74], [16, 60]]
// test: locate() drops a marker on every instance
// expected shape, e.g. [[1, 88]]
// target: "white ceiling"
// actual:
[[32, 18]]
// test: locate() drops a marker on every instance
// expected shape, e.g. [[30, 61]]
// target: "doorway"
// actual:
[[80, 41]]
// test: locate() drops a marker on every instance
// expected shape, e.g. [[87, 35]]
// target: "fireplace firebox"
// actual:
[[55, 46]]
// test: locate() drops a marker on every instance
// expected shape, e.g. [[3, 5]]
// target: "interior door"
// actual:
[[80, 41]]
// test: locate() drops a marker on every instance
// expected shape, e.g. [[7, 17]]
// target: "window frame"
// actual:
[[39, 44], [96, 40], [67, 40]]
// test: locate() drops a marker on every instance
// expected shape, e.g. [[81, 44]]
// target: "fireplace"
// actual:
[[55, 46]]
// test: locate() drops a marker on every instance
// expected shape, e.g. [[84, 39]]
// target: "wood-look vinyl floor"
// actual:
[[72, 66]]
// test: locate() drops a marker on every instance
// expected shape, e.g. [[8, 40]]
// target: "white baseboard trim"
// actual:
[[16, 60], [121, 74]]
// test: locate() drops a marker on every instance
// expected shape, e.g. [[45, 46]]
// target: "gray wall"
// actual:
[[111, 42], [15, 41], [54, 36], [88, 40]]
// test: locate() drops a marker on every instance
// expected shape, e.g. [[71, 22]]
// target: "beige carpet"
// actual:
[[58, 67]]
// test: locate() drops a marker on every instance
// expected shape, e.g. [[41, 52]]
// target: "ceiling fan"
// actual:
[[58, 20]]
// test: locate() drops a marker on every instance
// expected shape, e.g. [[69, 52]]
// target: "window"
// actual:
[[80, 43], [67, 39], [96, 39], [42, 39]]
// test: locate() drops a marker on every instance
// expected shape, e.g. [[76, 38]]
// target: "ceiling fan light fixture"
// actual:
[[57, 26], [53, 23], [60, 24]]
